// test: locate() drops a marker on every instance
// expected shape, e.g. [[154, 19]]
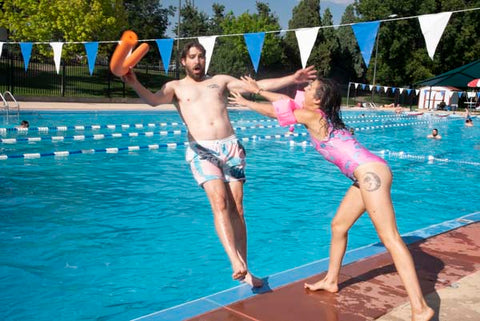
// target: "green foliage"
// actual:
[[147, 18], [306, 15], [348, 65], [231, 55], [62, 20]]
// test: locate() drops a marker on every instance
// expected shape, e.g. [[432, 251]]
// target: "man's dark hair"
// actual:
[[189, 45]]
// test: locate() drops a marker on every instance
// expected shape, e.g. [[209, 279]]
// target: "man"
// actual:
[[434, 134], [216, 157]]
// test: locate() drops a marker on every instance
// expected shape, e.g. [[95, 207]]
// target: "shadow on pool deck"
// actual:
[[448, 266]]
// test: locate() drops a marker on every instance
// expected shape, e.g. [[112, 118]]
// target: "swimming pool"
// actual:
[[116, 228]]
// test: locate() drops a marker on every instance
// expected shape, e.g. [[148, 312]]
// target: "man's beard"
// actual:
[[196, 76]]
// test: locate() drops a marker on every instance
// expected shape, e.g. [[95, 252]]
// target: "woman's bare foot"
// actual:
[[252, 280], [425, 315], [322, 285]]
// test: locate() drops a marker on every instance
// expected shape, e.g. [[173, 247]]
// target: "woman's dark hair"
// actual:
[[328, 92], [189, 45]]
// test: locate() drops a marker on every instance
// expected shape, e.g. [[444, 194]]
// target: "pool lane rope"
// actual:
[[429, 158], [116, 135], [174, 132], [113, 150], [63, 128]]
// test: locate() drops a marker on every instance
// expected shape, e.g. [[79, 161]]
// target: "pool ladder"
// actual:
[[5, 99]]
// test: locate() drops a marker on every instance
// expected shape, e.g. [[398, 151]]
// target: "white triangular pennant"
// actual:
[[432, 26], [208, 43], [1, 47], [306, 40], [401, 90], [356, 85], [385, 88], [371, 87], [417, 91], [57, 54]]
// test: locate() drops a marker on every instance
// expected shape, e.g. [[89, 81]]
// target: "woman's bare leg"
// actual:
[[350, 209], [375, 182]]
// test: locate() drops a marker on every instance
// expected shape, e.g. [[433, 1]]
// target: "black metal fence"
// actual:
[[74, 79]]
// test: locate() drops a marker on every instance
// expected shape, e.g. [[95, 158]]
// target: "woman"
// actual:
[[318, 109]]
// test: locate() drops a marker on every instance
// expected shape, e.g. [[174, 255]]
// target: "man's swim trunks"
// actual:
[[217, 159]]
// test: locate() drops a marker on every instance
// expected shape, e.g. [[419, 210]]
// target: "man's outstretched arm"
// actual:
[[163, 96]]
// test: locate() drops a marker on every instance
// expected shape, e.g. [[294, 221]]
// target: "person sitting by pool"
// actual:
[[319, 111], [435, 134]]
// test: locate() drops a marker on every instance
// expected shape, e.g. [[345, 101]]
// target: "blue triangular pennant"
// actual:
[[91, 48], [364, 86], [378, 88], [366, 33], [165, 47], [26, 48], [254, 43], [409, 91], [393, 89]]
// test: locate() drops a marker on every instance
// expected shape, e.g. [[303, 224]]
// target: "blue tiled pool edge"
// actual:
[[241, 292]]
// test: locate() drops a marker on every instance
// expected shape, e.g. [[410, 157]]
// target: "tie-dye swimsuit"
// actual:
[[343, 150]]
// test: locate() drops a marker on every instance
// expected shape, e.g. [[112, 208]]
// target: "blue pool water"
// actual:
[[114, 236]]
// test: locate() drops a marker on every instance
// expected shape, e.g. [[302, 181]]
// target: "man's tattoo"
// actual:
[[213, 86], [371, 181]]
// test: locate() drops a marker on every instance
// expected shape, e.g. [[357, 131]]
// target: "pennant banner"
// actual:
[[1, 47], [92, 49], [57, 54], [26, 48], [366, 33], [306, 39], [432, 26], [208, 43], [165, 47], [254, 43]]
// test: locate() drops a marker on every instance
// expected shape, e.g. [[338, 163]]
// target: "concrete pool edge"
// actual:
[[275, 281]]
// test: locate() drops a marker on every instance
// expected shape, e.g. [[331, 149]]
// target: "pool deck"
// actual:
[[447, 259]]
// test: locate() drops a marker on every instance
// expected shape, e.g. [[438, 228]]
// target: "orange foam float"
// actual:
[[121, 60]]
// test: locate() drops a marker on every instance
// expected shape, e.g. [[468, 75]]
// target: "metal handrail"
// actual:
[[17, 105], [4, 104]]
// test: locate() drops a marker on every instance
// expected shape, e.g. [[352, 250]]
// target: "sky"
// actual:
[[282, 8]]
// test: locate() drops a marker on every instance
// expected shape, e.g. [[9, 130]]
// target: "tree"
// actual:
[[348, 64], [307, 15], [147, 18], [231, 55], [62, 20]]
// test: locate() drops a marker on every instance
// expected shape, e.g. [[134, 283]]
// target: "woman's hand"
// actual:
[[237, 99], [250, 85]]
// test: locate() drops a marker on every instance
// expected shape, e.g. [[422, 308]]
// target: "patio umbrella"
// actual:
[[474, 83]]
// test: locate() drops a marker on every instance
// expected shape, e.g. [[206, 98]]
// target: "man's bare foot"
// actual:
[[239, 274], [239, 270], [425, 315], [252, 280], [322, 285]]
